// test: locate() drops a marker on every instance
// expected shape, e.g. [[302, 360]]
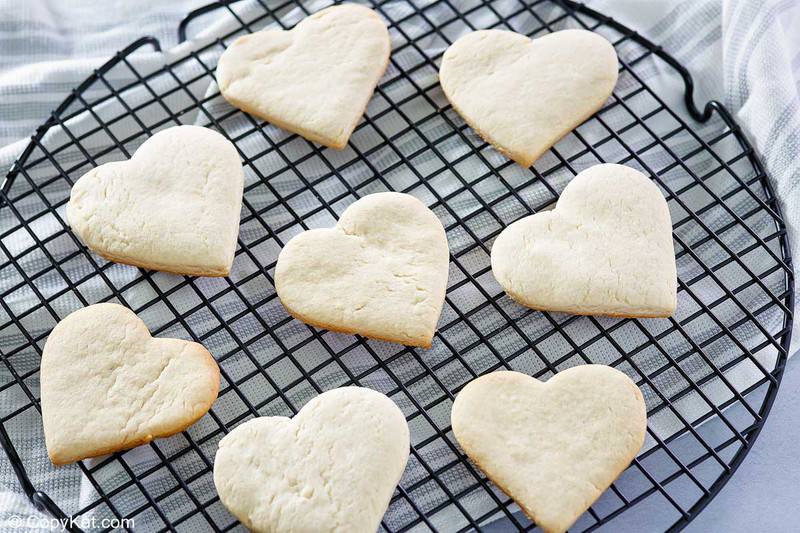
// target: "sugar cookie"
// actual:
[[606, 249], [174, 206], [381, 272], [333, 467], [315, 79], [524, 95], [107, 385], [553, 447]]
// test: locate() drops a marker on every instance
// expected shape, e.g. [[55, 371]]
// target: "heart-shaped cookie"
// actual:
[[174, 206], [606, 249], [333, 467], [524, 95], [553, 447], [381, 272], [315, 79], [107, 385]]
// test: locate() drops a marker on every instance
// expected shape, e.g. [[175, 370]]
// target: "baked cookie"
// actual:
[[524, 95], [333, 467], [553, 447], [107, 385], [315, 79], [174, 206], [606, 249], [381, 272]]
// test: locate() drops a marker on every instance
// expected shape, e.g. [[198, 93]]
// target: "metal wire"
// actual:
[[258, 345]]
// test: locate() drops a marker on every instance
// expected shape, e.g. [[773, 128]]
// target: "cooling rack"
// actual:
[[709, 374]]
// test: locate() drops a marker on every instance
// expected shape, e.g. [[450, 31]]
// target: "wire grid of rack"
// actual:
[[735, 276]]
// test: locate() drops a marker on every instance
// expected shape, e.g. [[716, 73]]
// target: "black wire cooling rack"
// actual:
[[709, 374]]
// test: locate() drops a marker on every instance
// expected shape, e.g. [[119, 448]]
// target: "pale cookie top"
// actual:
[[107, 385], [381, 272], [331, 468], [523, 95], [605, 249], [314, 80], [174, 206], [553, 447]]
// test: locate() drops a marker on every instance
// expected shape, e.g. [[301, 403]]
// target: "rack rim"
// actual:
[[43, 502]]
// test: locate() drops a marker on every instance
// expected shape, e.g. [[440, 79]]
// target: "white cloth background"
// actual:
[[745, 53]]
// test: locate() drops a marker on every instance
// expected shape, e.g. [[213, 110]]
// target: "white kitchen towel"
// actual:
[[744, 53]]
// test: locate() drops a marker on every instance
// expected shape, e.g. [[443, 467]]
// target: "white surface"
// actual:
[[763, 494]]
